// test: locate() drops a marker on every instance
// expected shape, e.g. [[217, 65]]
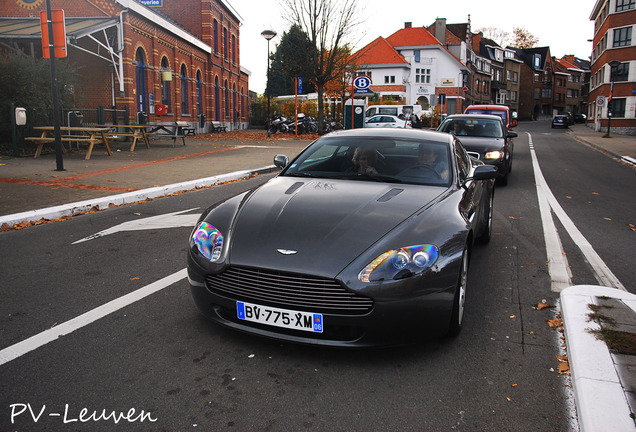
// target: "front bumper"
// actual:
[[392, 321]]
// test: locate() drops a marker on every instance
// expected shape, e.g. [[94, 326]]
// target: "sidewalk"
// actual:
[[31, 189], [620, 146]]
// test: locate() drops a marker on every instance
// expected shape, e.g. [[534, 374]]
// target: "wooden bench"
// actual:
[[218, 127], [134, 131], [186, 128], [170, 130]]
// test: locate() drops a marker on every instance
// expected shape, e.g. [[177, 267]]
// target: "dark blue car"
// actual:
[[560, 121]]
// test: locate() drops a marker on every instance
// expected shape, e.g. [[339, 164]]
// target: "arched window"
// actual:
[[140, 78], [184, 90], [215, 37], [225, 42], [217, 106], [166, 77], [233, 49], [235, 113], [199, 94], [227, 100], [242, 108]]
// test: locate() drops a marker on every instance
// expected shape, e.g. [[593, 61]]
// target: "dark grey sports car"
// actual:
[[362, 240]]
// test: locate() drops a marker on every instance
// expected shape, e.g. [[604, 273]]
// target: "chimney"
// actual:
[[408, 25], [440, 30]]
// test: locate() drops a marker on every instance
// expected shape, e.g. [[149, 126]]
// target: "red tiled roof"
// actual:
[[567, 64], [379, 52], [412, 36]]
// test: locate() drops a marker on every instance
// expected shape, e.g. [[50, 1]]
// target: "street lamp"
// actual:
[[269, 35], [613, 65]]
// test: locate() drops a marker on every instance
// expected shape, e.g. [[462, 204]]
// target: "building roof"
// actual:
[[527, 55], [379, 52], [413, 36], [566, 65]]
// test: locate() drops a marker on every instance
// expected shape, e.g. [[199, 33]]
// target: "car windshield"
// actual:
[[374, 159], [474, 127]]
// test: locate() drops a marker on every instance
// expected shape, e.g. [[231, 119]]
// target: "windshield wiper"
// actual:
[[300, 174], [373, 176]]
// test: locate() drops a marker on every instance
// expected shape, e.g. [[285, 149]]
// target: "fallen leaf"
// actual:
[[562, 357], [543, 306], [513, 316], [568, 197], [134, 278], [607, 219], [595, 193], [515, 385], [555, 323], [511, 217], [564, 367]]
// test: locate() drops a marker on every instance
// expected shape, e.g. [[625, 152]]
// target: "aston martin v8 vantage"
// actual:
[[363, 239]]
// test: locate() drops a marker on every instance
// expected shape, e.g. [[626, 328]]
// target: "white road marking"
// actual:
[[557, 263], [40, 339], [168, 220]]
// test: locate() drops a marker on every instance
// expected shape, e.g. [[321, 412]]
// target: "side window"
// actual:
[[463, 161]]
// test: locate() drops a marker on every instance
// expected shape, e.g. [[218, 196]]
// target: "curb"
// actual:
[[620, 157], [599, 395], [127, 198]]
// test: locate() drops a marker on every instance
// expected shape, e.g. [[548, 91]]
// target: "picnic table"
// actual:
[[174, 130], [70, 134], [135, 131]]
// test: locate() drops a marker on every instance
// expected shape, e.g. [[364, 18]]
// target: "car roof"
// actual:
[[472, 116], [396, 133], [491, 107]]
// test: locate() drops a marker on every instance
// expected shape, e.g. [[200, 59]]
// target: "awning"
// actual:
[[97, 36], [76, 27]]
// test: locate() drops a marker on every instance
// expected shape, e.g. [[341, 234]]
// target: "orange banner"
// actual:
[[59, 33]]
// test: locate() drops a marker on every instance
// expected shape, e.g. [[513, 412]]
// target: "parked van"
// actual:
[[395, 110], [500, 110]]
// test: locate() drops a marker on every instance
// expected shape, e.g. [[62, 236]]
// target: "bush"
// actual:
[[26, 82]]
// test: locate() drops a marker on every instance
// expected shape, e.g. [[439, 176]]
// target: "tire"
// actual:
[[503, 181], [459, 301], [486, 232]]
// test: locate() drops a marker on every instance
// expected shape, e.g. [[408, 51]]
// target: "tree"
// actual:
[[328, 24], [292, 59], [500, 36], [523, 39], [26, 82]]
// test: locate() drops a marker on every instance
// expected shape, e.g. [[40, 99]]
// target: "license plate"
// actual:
[[296, 320]]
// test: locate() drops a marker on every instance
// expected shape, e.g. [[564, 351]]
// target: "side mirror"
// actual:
[[281, 160], [485, 172], [512, 134]]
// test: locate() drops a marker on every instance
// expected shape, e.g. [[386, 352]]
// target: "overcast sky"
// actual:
[[564, 26]]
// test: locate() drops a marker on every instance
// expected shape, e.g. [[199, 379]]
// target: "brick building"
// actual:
[[613, 61], [169, 59]]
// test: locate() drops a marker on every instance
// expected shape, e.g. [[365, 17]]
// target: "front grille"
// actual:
[[288, 290]]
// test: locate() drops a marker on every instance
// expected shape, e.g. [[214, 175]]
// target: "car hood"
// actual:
[[482, 144], [319, 226]]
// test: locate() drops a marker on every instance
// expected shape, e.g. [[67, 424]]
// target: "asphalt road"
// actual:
[[178, 372]]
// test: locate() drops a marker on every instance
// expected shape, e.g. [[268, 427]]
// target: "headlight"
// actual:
[[494, 155], [208, 241], [400, 263]]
